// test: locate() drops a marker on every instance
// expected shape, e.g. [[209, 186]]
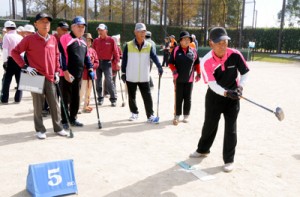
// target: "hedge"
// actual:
[[266, 39]]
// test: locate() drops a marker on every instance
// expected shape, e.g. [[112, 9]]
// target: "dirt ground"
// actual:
[[135, 159]]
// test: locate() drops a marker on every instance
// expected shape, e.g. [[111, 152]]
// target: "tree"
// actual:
[[293, 12]]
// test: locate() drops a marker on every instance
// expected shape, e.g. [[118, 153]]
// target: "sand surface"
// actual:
[[137, 159]]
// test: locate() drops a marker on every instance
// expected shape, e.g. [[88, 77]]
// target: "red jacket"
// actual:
[[107, 49], [42, 55], [94, 60]]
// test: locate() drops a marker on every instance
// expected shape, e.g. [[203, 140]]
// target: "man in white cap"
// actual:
[[108, 54], [136, 72], [220, 68], [10, 41]]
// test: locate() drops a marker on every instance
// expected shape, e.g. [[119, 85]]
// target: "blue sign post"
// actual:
[[51, 179]]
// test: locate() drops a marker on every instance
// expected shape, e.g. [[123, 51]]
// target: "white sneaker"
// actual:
[[41, 135], [197, 155], [185, 118], [133, 117], [62, 133], [228, 167], [153, 119]]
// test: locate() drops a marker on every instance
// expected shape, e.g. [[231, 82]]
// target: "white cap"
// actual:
[[29, 28], [20, 29], [10, 24], [102, 27], [140, 27]]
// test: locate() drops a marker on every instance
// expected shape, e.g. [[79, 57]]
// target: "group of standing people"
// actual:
[[68, 61]]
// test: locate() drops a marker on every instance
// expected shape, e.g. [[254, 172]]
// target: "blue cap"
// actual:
[[79, 20]]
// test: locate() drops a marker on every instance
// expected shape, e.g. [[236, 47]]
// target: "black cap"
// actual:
[[43, 15], [63, 24], [185, 34], [217, 34]]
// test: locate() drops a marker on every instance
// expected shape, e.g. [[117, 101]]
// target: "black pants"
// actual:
[[183, 95], [105, 68], [71, 98], [215, 105], [146, 95], [165, 59], [12, 70]]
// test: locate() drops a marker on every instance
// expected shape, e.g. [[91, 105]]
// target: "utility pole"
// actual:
[[281, 27], [24, 10], [13, 9], [253, 19], [242, 24]]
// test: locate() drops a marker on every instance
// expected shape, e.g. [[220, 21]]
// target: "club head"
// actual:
[[279, 114], [71, 135], [99, 125]]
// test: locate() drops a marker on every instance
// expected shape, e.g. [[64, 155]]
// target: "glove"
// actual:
[[239, 90], [31, 71], [5, 65], [91, 74], [160, 70], [232, 94], [123, 77], [56, 78], [175, 75], [198, 77]]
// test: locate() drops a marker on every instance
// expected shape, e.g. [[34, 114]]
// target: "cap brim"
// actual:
[[221, 38], [186, 37], [80, 24], [48, 17], [142, 29]]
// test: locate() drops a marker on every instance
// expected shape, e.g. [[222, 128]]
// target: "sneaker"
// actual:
[[41, 135], [197, 155], [100, 102], [62, 133], [113, 104], [133, 117], [176, 120], [153, 119], [185, 118], [228, 167], [76, 124], [65, 125]]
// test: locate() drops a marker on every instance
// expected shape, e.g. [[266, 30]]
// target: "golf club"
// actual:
[[123, 103], [158, 93], [278, 111], [65, 110], [99, 123], [175, 121]]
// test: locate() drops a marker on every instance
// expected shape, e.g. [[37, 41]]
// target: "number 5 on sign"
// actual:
[[55, 178], [51, 179]]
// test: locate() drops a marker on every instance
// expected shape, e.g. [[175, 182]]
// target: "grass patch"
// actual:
[[266, 57]]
